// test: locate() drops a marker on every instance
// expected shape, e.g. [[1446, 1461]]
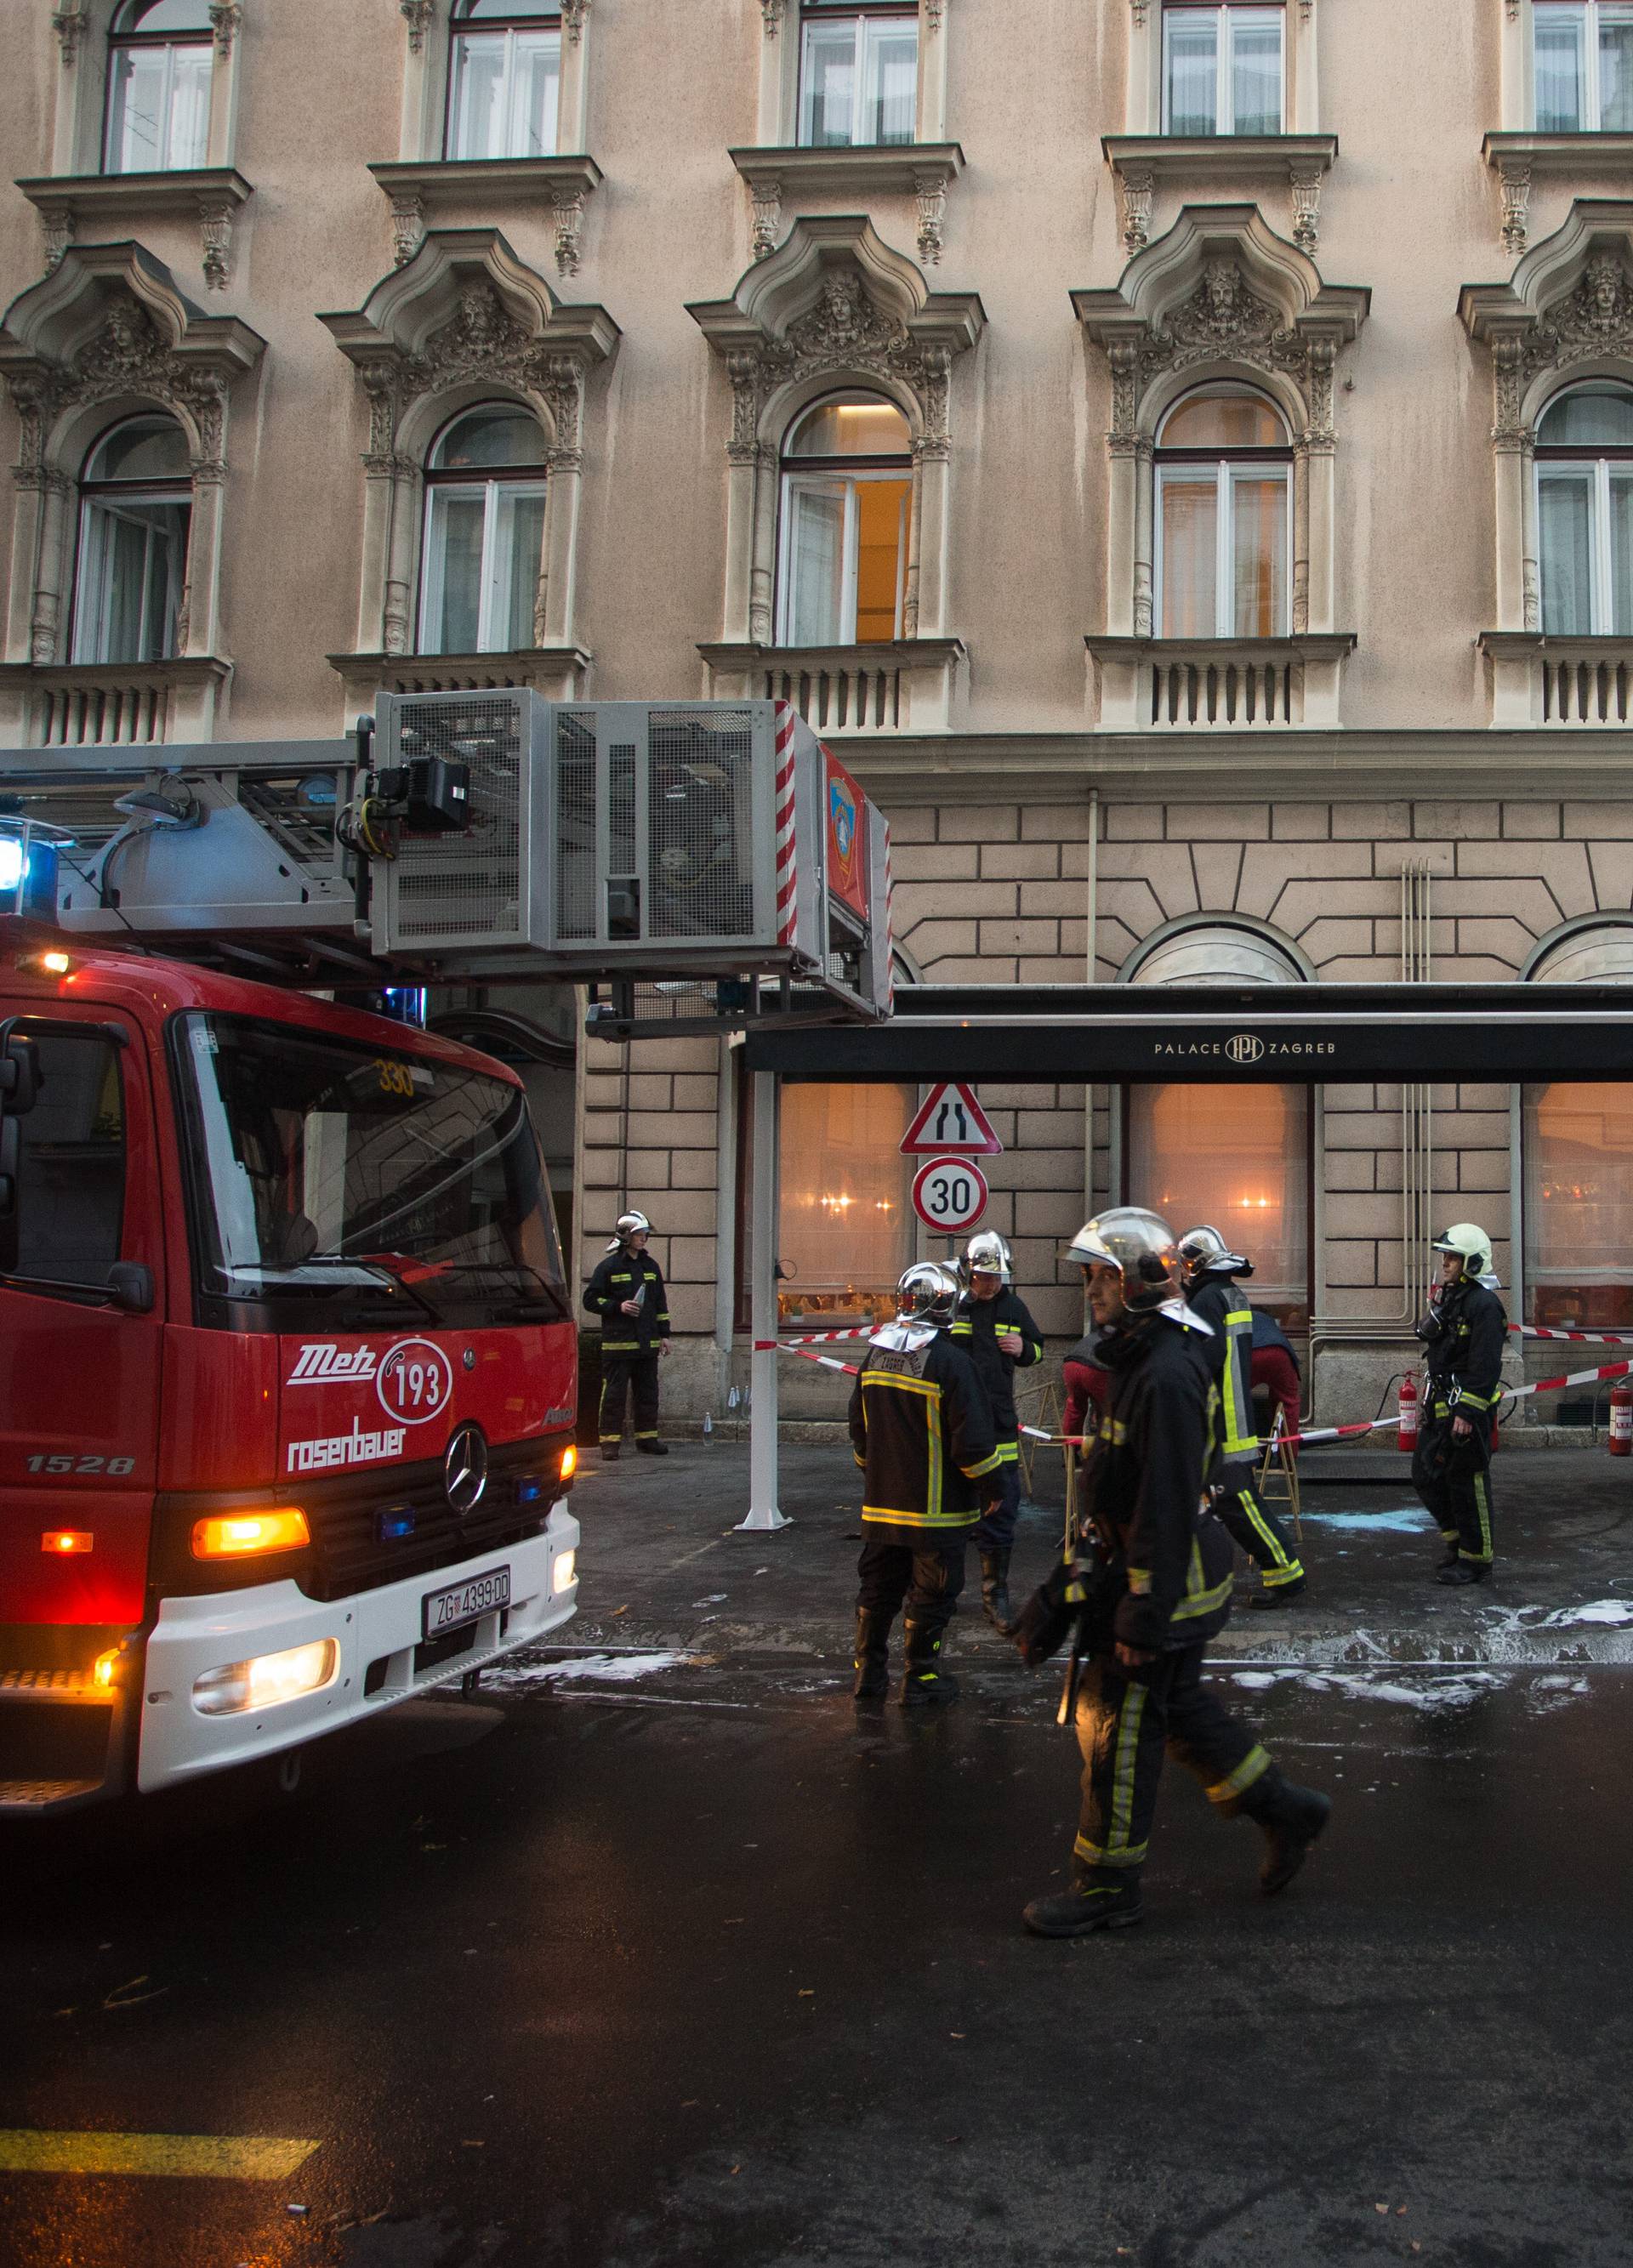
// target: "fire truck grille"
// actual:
[[352, 1520]]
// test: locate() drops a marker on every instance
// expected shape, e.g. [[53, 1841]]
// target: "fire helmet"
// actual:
[[1204, 1252], [1140, 1245], [987, 1254], [928, 1292], [1470, 1240], [628, 1224]]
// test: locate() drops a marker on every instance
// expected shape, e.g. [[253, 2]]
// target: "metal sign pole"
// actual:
[[763, 1512]]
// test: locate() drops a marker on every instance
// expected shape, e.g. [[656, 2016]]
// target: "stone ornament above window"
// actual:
[[1569, 301]]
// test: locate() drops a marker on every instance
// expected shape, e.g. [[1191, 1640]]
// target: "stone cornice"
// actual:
[[879, 169], [1220, 157], [1306, 767], [135, 196]]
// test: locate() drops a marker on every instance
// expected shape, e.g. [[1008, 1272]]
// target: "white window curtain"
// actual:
[[1223, 71], [858, 79], [158, 109], [1223, 542], [1584, 513], [504, 96], [482, 547], [1583, 58]]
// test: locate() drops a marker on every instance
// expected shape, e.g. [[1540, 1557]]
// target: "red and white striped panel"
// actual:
[[890, 923], [786, 898]]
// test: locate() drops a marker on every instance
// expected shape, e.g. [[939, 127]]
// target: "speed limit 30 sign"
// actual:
[[950, 1194]]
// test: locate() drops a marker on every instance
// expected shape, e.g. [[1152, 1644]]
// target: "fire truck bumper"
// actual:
[[249, 1673]]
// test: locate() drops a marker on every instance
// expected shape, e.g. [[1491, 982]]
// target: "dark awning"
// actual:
[[1292, 1033]]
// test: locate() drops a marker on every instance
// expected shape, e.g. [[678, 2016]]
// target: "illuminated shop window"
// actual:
[[1237, 1157], [1579, 1205], [846, 1225]]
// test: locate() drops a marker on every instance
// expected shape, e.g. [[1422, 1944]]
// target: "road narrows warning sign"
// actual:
[[951, 1118]]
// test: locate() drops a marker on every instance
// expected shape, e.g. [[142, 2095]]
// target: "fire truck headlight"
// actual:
[[564, 1571], [267, 1680], [241, 1535]]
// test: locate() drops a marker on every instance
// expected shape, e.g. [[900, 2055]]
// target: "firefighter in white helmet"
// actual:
[[995, 1331], [1211, 1270], [1464, 1334], [1149, 1586], [626, 1292], [923, 1437]]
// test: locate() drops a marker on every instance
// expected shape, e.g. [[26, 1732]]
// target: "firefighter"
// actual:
[[923, 1436], [627, 1292], [999, 1335], [1464, 1334], [1153, 1581], [1210, 1272]]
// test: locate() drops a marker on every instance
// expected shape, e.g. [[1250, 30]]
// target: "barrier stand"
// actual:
[[1278, 1476], [1047, 1413]]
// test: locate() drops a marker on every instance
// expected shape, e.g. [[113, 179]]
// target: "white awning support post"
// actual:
[[763, 1515]]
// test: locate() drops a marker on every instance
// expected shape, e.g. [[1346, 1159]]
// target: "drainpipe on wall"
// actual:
[[1090, 964]]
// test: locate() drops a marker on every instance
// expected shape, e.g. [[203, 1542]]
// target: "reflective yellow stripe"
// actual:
[[933, 1466], [1113, 1429], [210, 2157], [1253, 1766], [1482, 1506], [888, 1516], [1123, 1775], [1266, 1534], [1008, 1452], [1198, 1600], [1239, 1435], [1133, 1854], [987, 1465], [962, 1330]]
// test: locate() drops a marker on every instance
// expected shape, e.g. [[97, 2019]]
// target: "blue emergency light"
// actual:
[[28, 877], [395, 1523]]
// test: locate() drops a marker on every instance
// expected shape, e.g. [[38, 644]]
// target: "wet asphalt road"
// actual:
[[661, 1957]]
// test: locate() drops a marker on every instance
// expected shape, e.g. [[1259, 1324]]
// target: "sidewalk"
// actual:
[[663, 1568]]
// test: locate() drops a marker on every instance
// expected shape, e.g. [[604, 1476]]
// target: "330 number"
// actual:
[[395, 1078]]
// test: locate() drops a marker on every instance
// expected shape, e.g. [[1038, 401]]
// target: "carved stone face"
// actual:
[[1605, 288], [1222, 285], [479, 316]]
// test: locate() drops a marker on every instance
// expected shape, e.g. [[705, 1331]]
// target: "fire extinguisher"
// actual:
[[1621, 1418], [1407, 1406]]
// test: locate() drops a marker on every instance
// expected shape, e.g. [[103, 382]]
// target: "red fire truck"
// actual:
[[289, 1370]]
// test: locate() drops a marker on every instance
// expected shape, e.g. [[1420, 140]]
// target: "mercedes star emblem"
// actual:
[[465, 1469]]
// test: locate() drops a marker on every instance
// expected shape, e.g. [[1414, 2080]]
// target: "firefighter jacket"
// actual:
[[1167, 1561], [1464, 1336], [625, 1276], [923, 1436], [1233, 1440], [975, 1328]]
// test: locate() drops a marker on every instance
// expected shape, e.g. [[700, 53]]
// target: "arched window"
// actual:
[[1237, 1156], [504, 79], [135, 504], [1585, 512], [160, 60], [859, 73], [847, 504], [485, 533], [1224, 506]]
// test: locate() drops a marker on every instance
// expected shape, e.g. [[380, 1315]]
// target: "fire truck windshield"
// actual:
[[338, 1187]]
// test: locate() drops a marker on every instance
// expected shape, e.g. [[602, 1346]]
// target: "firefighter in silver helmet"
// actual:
[[1464, 1334], [923, 1436], [1211, 1270], [995, 1331], [626, 1292], [1148, 1586]]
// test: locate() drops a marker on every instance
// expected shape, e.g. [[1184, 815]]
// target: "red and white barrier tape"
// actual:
[[1578, 1338], [812, 1338], [1292, 1440]]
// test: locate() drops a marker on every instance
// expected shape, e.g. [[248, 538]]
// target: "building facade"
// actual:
[[1178, 452]]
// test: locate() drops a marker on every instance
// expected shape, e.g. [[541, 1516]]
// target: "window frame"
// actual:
[[794, 472], [496, 482], [1226, 14], [1589, 14], [1601, 556], [121, 43], [115, 1038], [462, 28], [1229, 464], [861, 14], [92, 496]]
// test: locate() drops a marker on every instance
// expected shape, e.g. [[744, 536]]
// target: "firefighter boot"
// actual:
[[873, 1648], [995, 1591], [653, 1449], [1100, 1897], [926, 1683], [1460, 1571], [1289, 1818]]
